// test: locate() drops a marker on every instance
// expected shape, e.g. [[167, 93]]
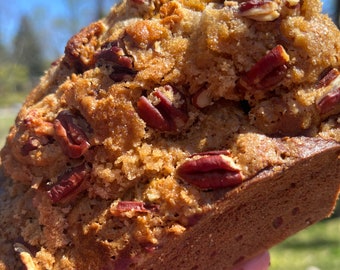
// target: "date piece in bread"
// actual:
[[176, 135]]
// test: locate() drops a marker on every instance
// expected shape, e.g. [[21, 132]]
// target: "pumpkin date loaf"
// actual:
[[178, 134]]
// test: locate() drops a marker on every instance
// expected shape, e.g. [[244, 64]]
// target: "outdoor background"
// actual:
[[33, 34]]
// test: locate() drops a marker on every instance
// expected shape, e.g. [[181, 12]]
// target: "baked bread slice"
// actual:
[[176, 134]]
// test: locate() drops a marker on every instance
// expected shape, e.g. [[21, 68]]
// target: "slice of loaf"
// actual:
[[176, 135], [276, 203]]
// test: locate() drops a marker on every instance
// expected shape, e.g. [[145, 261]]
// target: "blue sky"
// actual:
[[52, 19], [12, 13]]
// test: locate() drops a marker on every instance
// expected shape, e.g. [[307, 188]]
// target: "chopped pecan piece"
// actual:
[[210, 170], [292, 3], [202, 98], [69, 184], [21, 244], [132, 208], [267, 73], [149, 247], [291, 8], [39, 132], [114, 54], [124, 206], [33, 143], [329, 77], [80, 48], [69, 133], [25, 256], [34, 121], [164, 109], [140, 2], [329, 103], [259, 10]]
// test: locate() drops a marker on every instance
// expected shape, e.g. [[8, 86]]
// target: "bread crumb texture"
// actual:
[[151, 116]]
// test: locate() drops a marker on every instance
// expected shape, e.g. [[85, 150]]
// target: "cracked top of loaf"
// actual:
[[157, 110]]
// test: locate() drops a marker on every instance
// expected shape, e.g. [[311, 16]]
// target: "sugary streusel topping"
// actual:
[[154, 110]]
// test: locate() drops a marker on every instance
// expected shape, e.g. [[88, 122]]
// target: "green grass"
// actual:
[[6, 121], [8, 111], [8, 99], [317, 246]]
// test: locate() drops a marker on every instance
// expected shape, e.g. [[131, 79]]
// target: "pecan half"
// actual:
[[69, 184], [259, 10], [164, 109], [69, 133], [210, 170], [114, 54], [267, 73], [329, 103]]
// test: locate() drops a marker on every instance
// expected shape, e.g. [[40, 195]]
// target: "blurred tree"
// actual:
[[75, 16], [100, 12], [3, 49], [338, 14], [27, 50], [13, 78], [4, 56], [82, 15], [336, 213]]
